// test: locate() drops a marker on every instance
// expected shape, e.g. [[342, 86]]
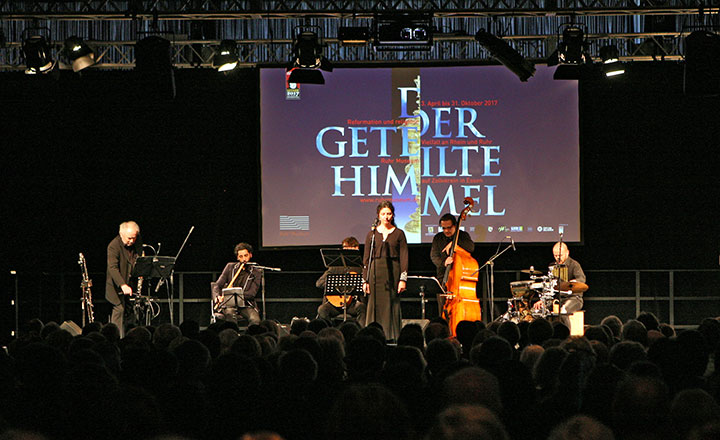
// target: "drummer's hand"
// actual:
[[126, 290], [366, 288], [449, 261], [401, 286], [537, 305]]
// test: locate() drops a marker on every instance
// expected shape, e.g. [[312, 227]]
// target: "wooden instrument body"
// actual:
[[461, 278], [463, 305]]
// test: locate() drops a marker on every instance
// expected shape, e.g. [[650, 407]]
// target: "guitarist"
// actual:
[[355, 308], [122, 252], [440, 249]]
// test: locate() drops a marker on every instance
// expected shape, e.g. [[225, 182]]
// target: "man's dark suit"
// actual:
[[120, 261], [249, 278]]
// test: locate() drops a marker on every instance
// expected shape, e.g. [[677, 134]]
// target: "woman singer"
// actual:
[[385, 271]]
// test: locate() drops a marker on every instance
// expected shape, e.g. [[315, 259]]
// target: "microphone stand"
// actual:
[[262, 284], [490, 264], [371, 260]]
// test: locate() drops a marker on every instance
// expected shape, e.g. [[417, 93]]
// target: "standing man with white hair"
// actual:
[[122, 252]]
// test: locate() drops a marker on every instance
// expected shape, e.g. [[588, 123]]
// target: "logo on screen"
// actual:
[[294, 222]]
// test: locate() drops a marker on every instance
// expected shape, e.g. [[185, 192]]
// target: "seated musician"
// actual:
[[567, 269], [241, 274], [440, 249], [356, 308]]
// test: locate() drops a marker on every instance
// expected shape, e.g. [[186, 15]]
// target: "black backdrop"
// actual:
[[80, 154]]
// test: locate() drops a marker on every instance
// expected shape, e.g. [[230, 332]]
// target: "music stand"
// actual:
[[341, 257], [233, 297], [424, 285], [345, 285]]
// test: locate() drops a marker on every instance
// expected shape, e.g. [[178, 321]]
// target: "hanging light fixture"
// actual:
[[36, 51], [308, 59], [78, 53], [611, 61], [226, 57]]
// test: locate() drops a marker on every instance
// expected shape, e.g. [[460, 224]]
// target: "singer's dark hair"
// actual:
[[448, 217], [243, 246], [387, 204]]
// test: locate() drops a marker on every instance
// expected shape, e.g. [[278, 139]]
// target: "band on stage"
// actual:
[[363, 288]]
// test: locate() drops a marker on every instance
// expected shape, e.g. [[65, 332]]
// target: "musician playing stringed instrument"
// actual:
[[460, 280], [332, 304], [440, 249]]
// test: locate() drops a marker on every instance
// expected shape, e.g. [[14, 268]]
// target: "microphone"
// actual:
[[512, 242], [375, 223]]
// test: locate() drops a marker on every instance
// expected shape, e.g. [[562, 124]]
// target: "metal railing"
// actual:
[[681, 298]]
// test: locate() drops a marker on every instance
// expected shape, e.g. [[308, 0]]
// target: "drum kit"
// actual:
[[546, 290]]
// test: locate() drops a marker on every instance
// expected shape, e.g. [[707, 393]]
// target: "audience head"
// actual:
[[614, 324], [539, 331], [649, 320], [634, 330], [467, 422]]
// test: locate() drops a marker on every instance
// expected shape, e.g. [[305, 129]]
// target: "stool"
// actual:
[[577, 323]]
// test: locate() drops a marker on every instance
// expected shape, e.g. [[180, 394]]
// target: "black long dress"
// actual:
[[388, 267]]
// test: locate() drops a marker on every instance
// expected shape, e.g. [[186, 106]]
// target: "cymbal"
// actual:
[[573, 286], [531, 271]]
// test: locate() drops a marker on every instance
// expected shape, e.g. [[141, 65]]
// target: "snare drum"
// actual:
[[521, 288]]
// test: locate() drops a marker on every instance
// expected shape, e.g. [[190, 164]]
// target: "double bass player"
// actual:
[[440, 249]]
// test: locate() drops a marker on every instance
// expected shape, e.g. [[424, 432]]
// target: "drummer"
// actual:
[[566, 270]]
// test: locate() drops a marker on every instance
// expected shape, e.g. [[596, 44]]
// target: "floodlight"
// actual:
[[611, 61], [226, 57], [508, 56], [78, 53], [36, 51], [308, 57]]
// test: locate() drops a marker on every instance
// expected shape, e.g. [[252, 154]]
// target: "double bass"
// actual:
[[460, 281]]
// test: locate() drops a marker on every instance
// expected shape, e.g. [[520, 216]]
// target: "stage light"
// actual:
[[403, 31], [611, 61], [572, 47], [308, 57], [226, 57], [353, 36], [508, 56], [36, 52], [78, 53], [152, 54]]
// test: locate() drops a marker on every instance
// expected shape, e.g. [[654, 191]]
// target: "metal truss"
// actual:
[[642, 29], [253, 9], [199, 53]]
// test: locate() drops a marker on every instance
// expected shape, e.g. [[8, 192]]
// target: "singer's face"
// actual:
[[448, 228], [385, 215], [244, 256]]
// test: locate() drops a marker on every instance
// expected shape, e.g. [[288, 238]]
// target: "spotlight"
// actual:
[[36, 52], [508, 56], [403, 31], [611, 61], [572, 48], [78, 53], [308, 59], [226, 57]]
